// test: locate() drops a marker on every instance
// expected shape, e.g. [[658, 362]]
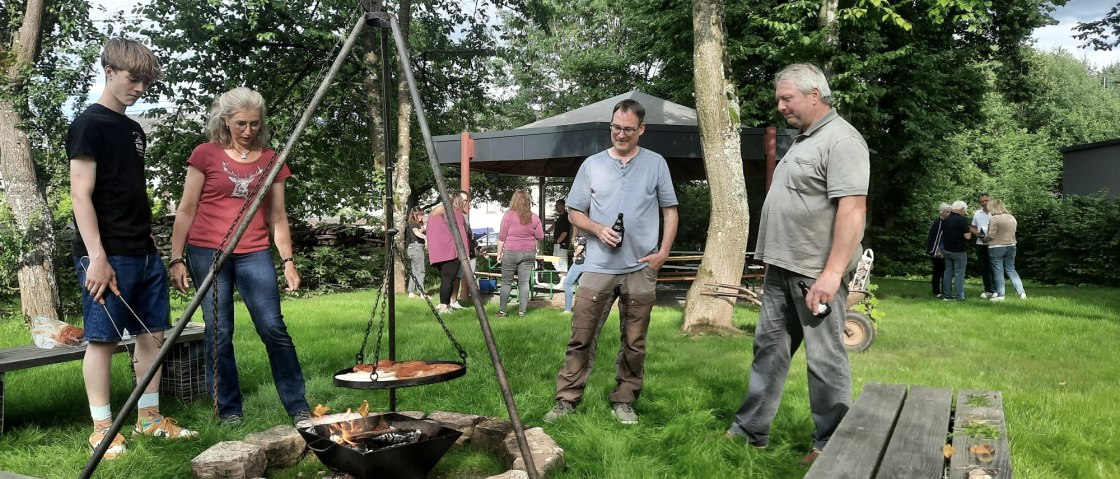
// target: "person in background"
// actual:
[[222, 175], [460, 288], [415, 238], [935, 249], [979, 229], [113, 249], [442, 253], [579, 247], [809, 237], [1001, 250], [634, 182], [518, 235], [955, 235], [560, 230]]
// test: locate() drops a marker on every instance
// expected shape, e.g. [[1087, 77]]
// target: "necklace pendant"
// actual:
[[245, 156]]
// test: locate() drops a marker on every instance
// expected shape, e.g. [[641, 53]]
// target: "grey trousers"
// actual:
[[636, 292], [418, 262], [783, 324], [520, 263]]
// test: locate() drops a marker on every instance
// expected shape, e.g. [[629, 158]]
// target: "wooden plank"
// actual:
[[23, 357], [979, 412], [858, 443], [916, 449]]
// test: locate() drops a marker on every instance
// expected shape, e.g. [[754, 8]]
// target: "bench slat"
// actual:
[[990, 413], [859, 441], [23, 357], [916, 447]]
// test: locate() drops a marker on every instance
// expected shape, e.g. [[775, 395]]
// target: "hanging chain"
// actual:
[[458, 347]]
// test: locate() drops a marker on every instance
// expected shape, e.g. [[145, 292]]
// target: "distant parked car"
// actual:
[[488, 242]]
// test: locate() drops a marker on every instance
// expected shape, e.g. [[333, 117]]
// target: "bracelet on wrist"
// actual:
[[175, 261], [288, 260]]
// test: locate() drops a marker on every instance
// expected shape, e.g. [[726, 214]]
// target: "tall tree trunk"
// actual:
[[401, 187], [38, 290], [717, 111], [827, 21]]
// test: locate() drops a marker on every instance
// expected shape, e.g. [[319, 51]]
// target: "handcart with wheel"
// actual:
[[859, 328]]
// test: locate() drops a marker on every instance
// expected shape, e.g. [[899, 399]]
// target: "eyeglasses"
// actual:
[[242, 125], [628, 130]]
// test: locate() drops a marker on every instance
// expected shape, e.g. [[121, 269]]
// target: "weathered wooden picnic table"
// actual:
[[891, 432]]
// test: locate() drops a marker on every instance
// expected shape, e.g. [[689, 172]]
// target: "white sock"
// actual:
[[101, 413], [148, 400]]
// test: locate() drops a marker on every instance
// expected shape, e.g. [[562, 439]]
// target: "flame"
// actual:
[[343, 432], [348, 432]]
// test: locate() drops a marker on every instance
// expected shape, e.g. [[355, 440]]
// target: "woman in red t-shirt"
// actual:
[[222, 175]]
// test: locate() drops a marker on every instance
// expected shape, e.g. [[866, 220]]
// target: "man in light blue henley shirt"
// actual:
[[633, 181]]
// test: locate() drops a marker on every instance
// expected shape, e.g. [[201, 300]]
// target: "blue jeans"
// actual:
[[574, 272], [255, 278], [952, 285], [520, 263], [783, 324], [418, 262], [1003, 260], [142, 281]]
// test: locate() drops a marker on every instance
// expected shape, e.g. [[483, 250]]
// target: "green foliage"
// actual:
[[281, 49], [870, 306], [324, 269], [694, 208], [1075, 241]]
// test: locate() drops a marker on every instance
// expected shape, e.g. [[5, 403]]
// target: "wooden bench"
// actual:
[[182, 377], [894, 433]]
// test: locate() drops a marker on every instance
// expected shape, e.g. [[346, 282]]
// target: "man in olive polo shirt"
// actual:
[[811, 225]]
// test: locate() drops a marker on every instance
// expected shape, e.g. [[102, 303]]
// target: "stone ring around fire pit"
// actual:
[[278, 449]]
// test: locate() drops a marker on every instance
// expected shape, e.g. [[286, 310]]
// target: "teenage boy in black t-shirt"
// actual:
[[124, 281]]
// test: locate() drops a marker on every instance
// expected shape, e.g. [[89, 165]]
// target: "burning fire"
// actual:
[[349, 432]]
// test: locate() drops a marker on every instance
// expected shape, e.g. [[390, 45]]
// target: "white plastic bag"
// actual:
[[50, 333]]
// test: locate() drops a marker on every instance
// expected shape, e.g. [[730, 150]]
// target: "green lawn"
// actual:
[[1053, 356]]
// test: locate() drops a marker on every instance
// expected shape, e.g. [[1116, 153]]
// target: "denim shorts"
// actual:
[[142, 280]]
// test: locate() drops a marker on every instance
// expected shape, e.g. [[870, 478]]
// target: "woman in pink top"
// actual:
[[222, 175], [517, 249], [441, 248]]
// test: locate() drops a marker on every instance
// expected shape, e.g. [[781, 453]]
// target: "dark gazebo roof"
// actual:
[[556, 146]]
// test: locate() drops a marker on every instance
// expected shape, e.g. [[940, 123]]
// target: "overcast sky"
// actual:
[[1047, 38]]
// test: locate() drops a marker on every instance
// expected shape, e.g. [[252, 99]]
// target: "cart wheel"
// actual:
[[858, 331]]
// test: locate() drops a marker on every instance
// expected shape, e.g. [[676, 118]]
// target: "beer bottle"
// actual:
[[620, 229], [823, 309]]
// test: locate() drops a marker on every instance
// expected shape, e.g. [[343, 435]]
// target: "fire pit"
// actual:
[[381, 445]]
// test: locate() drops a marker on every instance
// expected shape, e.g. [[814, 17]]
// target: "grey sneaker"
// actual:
[[624, 413], [562, 409], [230, 420], [301, 419]]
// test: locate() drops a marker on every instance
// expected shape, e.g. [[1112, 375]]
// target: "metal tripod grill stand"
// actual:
[[377, 17]]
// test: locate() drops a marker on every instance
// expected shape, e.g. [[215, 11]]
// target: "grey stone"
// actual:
[[282, 445], [547, 455], [230, 460], [462, 422], [413, 414], [511, 474], [489, 434]]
